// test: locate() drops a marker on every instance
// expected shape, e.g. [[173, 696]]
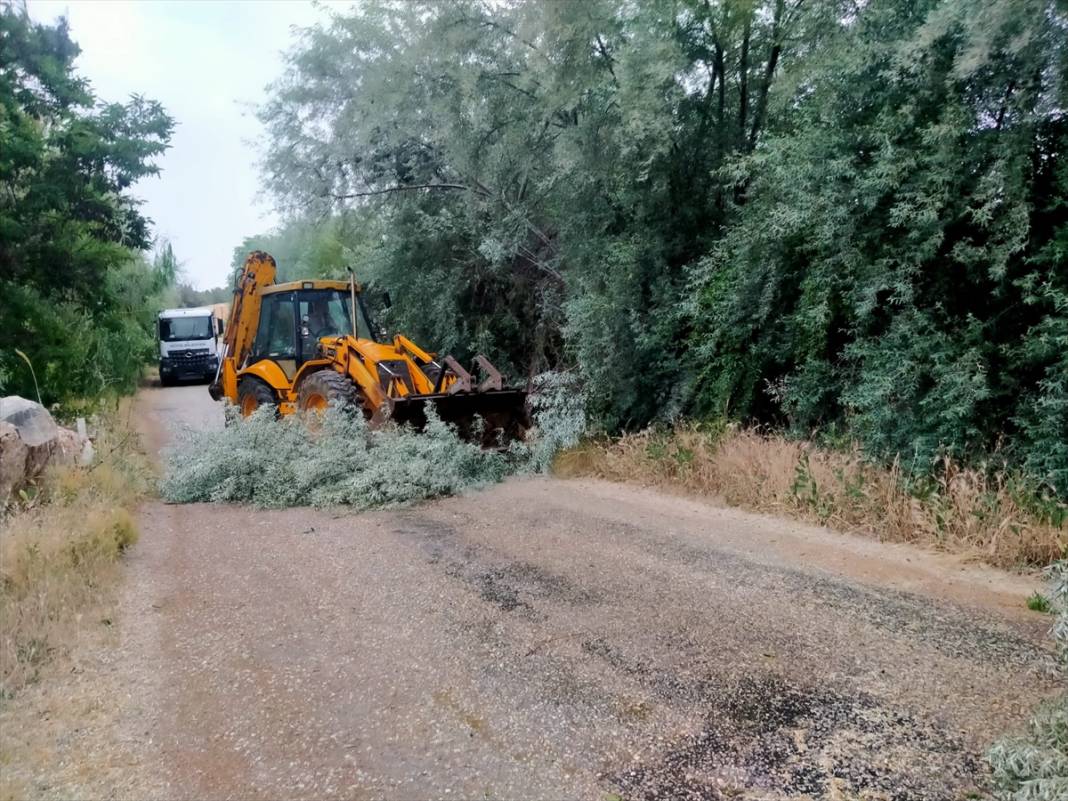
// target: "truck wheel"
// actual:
[[252, 394], [324, 387]]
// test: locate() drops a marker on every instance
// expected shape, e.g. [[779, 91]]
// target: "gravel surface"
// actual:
[[559, 639]]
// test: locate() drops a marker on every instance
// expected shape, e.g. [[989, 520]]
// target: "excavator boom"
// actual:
[[259, 272]]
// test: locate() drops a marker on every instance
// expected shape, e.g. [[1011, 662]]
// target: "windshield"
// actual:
[[324, 313], [175, 329], [292, 323]]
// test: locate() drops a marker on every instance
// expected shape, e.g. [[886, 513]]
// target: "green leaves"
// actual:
[[74, 292], [881, 270], [810, 215]]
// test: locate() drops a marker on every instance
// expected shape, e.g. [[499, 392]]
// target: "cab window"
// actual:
[[323, 313], [275, 338]]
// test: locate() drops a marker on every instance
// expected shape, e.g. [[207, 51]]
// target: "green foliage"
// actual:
[[339, 460], [75, 292], [825, 216], [302, 249], [1035, 767], [554, 183], [284, 463], [558, 406], [896, 256], [1037, 602]]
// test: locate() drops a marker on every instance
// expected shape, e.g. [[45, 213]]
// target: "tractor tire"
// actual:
[[326, 387], [252, 394]]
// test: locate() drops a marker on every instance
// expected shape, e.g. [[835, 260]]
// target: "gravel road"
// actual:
[[559, 639]]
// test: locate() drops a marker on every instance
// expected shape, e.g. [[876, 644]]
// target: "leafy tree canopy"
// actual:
[[74, 288], [822, 215]]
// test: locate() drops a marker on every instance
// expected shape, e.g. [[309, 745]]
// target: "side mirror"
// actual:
[[219, 325]]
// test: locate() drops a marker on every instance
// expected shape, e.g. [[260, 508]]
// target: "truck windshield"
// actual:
[[174, 329]]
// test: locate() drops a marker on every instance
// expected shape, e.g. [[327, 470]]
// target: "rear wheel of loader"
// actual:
[[323, 388], [252, 394]]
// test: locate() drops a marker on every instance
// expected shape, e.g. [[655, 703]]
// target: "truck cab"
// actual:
[[189, 341]]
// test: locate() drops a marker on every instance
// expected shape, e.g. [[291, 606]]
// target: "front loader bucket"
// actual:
[[503, 414]]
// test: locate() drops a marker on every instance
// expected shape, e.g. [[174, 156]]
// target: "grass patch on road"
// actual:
[[1038, 602], [59, 553], [991, 515]]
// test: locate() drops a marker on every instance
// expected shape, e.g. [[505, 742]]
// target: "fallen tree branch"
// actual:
[[406, 188]]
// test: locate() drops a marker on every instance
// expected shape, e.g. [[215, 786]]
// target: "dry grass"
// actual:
[[962, 510], [59, 555]]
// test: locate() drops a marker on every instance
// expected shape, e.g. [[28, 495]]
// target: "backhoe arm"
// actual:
[[259, 272]]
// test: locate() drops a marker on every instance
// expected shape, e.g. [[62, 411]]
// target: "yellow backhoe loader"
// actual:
[[302, 345]]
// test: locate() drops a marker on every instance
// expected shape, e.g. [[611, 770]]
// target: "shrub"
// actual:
[[1034, 767], [278, 463]]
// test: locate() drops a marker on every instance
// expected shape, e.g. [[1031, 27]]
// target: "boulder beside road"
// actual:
[[30, 441]]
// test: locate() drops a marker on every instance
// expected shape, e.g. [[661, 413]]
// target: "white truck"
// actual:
[[189, 343]]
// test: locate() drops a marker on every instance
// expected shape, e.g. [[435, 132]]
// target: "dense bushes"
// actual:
[[824, 216], [898, 263], [77, 295]]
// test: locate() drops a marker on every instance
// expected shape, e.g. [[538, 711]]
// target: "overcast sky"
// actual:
[[208, 63]]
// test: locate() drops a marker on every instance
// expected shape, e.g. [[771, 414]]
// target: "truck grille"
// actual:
[[195, 361], [198, 356]]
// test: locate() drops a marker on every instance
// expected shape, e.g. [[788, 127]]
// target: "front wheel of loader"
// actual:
[[323, 388], [252, 394]]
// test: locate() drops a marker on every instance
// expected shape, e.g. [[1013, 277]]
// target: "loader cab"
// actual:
[[295, 316]]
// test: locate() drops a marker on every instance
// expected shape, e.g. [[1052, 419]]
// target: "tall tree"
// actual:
[[803, 212], [895, 260], [70, 232]]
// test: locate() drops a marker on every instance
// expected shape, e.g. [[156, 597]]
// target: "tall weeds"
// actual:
[[59, 554], [990, 514]]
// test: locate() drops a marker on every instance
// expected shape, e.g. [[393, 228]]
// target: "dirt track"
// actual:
[[559, 639]]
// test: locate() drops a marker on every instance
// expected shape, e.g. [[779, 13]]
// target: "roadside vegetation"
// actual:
[[823, 217], [1034, 766], [59, 552], [999, 517], [79, 292], [336, 459]]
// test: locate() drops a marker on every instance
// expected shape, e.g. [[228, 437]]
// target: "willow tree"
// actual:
[[819, 214], [539, 175], [896, 260]]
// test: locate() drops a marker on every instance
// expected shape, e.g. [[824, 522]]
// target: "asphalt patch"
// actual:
[[948, 628], [509, 585], [762, 734]]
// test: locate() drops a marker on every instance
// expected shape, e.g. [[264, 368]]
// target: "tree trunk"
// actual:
[[743, 80], [720, 70], [761, 109]]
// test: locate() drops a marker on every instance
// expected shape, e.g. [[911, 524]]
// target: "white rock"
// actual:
[[30, 440]]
